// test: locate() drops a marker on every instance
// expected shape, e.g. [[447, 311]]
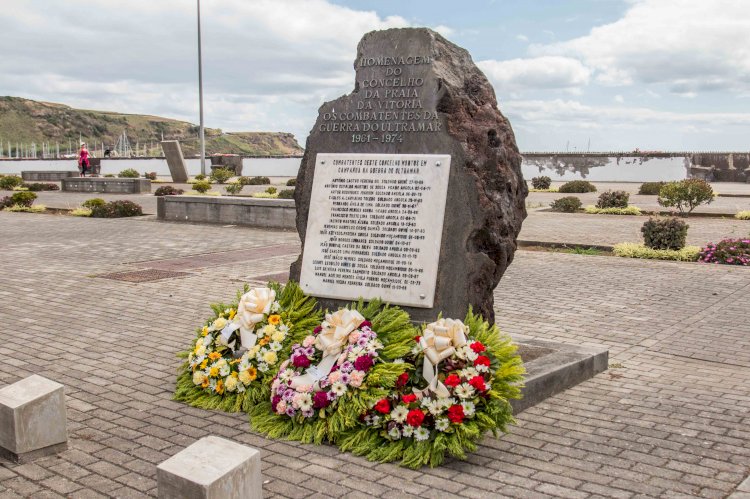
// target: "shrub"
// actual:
[[577, 186], [633, 250], [9, 182], [22, 199], [568, 204], [117, 209], [255, 180], [630, 210], [37, 208], [651, 188], [4, 202], [221, 175], [93, 202], [664, 233], [264, 195], [80, 212], [109, 175], [291, 182], [271, 190], [202, 186], [743, 215], [200, 177], [686, 194], [36, 187], [150, 175], [234, 188], [128, 173], [728, 252], [286, 194], [613, 199], [168, 190], [541, 182]]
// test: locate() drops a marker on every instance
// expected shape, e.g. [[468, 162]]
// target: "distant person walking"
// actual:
[[83, 159]]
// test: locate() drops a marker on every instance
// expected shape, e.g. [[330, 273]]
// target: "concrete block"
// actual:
[[33, 422], [47, 176], [175, 160], [106, 185], [211, 468], [267, 213]]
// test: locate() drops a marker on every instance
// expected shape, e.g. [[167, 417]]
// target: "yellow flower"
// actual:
[[264, 341], [235, 374], [199, 377], [204, 331], [204, 363], [270, 357], [214, 355], [205, 383], [231, 384], [213, 372], [278, 336], [253, 351], [220, 387], [269, 330], [232, 313], [248, 376], [220, 323], [274, 319]]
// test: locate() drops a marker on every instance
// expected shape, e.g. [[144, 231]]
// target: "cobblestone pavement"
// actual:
[[670, 418]]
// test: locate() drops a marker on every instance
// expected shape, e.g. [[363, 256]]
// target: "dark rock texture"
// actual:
[[486, 192]]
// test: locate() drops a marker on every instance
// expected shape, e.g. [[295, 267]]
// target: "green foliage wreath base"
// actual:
[[296, 308], [497, 414], [396, 333]]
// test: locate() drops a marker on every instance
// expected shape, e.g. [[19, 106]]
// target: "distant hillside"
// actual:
[[26, 121]]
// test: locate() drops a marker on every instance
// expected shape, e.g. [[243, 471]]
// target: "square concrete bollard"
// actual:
[[211, 468], [33, 422]]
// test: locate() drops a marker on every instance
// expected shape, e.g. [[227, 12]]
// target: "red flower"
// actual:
[[366, 324], [317, 329], [478, 383], [456, 414], [415, 417], [408, 399], [477, 347], [482, 361], [417, 338], [452, 380], [383, 406], [402, 380]]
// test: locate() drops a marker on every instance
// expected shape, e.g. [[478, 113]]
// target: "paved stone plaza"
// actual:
[[670, 418]]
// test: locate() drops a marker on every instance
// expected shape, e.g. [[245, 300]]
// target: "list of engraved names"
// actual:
[[375, 226]]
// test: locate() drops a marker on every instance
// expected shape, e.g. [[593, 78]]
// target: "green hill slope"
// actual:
[[26, 121]]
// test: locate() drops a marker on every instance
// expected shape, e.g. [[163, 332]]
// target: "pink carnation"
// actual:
[[354, 337], [308, 341], [356, 378], [281, 407], [334, 377]]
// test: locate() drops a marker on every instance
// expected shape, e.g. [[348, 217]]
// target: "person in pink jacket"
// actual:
[[83, 159]]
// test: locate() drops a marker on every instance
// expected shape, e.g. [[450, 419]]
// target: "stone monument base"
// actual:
[[266, 213], [47, 176], [106, 185], [553, 367]]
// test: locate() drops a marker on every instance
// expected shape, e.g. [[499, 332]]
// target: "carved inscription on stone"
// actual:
[[390, 103], [374, 227]]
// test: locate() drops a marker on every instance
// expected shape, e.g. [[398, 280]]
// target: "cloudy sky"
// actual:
[[618, 74]]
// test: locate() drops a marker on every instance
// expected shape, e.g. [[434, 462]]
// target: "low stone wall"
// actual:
[[106, 185], [47, 176], [266, 213]]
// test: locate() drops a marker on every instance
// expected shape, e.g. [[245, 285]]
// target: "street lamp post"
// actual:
[[200, 94]]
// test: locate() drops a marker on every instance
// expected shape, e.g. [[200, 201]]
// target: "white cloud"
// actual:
[[444, 30], [522, 38], [619, 98], [547, 72], [267, 64], [690, 45]]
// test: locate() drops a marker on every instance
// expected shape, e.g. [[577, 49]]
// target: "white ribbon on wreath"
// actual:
[[439, 341], [331, 341], [253, 307]]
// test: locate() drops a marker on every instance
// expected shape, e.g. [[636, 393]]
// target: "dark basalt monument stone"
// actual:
[[417, 93]]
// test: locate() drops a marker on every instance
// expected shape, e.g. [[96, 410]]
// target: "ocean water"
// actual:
[[606, 168], [251, 167]]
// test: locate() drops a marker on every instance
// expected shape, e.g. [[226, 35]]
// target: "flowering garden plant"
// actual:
[[727, 251], [242, 346], [342, 367], [464, 376]]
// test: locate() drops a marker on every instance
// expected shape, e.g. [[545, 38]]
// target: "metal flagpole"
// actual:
[[200, 94]]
